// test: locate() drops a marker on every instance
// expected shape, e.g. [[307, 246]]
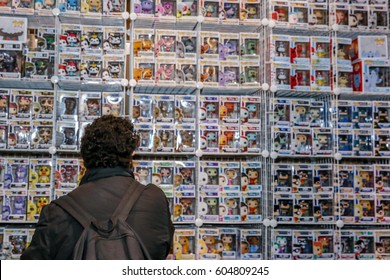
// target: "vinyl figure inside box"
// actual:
[[210, 10], [250, 12], [280, 48], [298, 14], [300, 77], [320, 78], [229, 11], [280, 11], [280, 75], [318, 15], [300, 50], [144, 8], [166, 9], [371, 76], [369, 47], [381, 111], [187, 10]]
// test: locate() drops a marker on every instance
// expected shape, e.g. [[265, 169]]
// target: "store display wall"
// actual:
[[265, 123]]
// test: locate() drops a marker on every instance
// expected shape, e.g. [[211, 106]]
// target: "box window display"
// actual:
[[184, 244], [382, 182], [280, 48], [250, 244], [300, 78], [281, 140], [187, 10], [302, 179], [363, 142], [280, 11], [210, 10], [323, 208], [250, 12], [166, 10], [318, 16], [229, 11], [164, 138], [281, 244]]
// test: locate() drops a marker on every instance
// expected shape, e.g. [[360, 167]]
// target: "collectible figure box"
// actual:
[[280, 48], [370, 47], [343, 78], [210, 10], [187, 10], [280, 75], [229, 74], [250, 12], [381, 111], [209, 72], [342, 51], [358, 16], [320, 78], [250, 244], [300, 77], [318, 17], [229, 11], [166, 10], [320, 50], [280, 11]]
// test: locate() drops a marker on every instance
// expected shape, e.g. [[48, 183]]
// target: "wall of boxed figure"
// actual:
[[266, 123]]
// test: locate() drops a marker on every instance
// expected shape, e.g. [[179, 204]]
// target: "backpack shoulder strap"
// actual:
[[77, 211], [130, 198]]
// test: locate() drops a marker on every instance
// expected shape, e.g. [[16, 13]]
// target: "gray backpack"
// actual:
[[113, 239]]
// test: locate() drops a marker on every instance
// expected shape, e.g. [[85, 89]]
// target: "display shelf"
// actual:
[[164, 89], [85, 20], [230, 91], [76, 86], [303, 94], [26, 84]]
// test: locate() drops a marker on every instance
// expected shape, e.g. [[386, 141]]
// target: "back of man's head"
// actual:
[[108, 142]]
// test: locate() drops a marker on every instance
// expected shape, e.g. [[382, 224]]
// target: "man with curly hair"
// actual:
[[107, 147]]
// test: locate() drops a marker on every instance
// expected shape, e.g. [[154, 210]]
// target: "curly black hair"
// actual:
[[108, 142]]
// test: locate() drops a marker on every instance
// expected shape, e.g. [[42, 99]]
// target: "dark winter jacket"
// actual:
[[57, 232]]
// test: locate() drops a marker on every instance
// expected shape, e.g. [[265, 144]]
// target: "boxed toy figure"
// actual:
[[344, 114], [280, 12], [378, 17], [229, 206], [13, 33], [209, 73], [210, 10], [364, 179], [165, 44], [342, 51], [184, 179], [344, 244], [250, 245], [41, 174], [90, 106], [20, 104], [371, 76], [186, 45], [250, 139], [143, 43], [146, 136], [186, 72], [184, 244], [323, 245], [229, 11], [382, 179], [282, 175], [114, 8], [11, 66], [209, 109], [37, 199], [143, 171], [66, 135], [91, 69], [280, 112], [365, 209], [19, 136], [186, 138], [301, 141], [302, 179], [323, 208], [381, 110], [250, 12], [300, 112], [363, 142], [38, 65], [165, 72], [320, 50], [358, 17], [67, 105], [300, 77], [339, 14], [318, 17], [300, 50], [185, 109], [345, 142], [343, 78], [251, 176], [229, 74], [280, 75], [3, 137], [369, 47], [16, 240], [164, 138], [113, 103], [208, 139], [69, 67], [41, 135], [362, 114], [346, 179], [382, 245], [144, 70], [209, 246], [280, 48], [164, 109], [283, 207], [66, 173], [229, 240], [250, 46], [16, 174], [4, 106], [281, 244], [364, 245], [114, 39], [229, 109], [318, 116], [184, 207], [144, 8], [166, 10], [208, 207], [229, 140], [250, 74], [209, 45], [302, 245], [345, 210], [320, 78], [298, 15], [187, 10], [250, 110], [281, 140], [382, 211], [322, 141]]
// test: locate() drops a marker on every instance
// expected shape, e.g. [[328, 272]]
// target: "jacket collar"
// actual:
[[100, 173]]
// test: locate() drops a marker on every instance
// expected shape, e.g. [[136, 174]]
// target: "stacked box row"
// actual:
[[325, 244]]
